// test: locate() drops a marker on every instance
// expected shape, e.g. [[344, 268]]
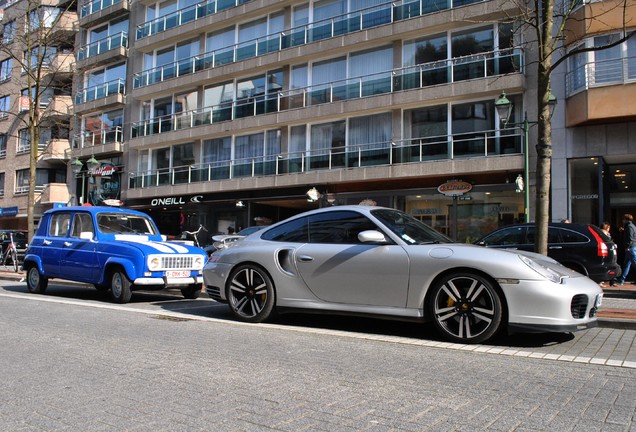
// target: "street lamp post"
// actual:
[[76, 166], [504, 110]]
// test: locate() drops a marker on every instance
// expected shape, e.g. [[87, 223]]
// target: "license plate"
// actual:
[[178, 273], [599, 300]]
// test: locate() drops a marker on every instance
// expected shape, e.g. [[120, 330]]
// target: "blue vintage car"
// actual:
[[111, 248]]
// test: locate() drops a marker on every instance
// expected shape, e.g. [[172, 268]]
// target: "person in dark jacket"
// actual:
[[629, 242]]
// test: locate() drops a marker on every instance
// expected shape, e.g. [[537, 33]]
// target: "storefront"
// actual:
[[465, 216]]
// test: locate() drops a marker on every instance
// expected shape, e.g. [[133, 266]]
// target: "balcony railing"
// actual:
[[26, 148], [104, 45], [22, 190], [95, 6], [96, 138], [185, 15], [101, 91], [413, 77], [482, 144], [316, 31], [3, 153], [601, 73]]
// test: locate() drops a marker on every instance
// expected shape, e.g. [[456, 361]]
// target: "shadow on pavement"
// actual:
[[172, 301]]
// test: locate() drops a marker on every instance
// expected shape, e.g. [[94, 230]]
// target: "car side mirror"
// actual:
[[372, 236], [86, 235]]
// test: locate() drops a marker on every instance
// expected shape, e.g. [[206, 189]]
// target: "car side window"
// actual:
[[295, 231], [569, 236], [59, 226], [340, 227], [83, 222], [507, 236]]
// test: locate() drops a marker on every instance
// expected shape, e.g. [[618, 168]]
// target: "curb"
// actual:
[[603, 322]]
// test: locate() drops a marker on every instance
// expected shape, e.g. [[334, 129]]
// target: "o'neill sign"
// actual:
[[454, 188]]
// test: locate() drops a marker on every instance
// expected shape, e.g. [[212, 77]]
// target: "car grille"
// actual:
[[176, 262], [579, 306]]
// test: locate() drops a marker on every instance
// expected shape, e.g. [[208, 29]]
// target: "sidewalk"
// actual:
[[618, 309]]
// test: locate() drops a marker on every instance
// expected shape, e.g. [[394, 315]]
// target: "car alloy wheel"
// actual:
[[250, 294], [466, 308]]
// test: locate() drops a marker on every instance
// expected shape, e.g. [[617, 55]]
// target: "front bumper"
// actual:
[[540, 306], [168, 282]]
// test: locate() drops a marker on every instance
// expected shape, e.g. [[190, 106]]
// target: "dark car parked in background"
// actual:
[[580, 247]]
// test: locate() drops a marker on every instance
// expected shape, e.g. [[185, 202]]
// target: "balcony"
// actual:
[[62, 64], [102, 96], [97, 11], [64, 29], [185, 15], [54, 193], [484, 144], [103, 142], [601, 91], [55, 149], [356, 21], [597, 17], [59, 106], [476, 66], [107, 50]]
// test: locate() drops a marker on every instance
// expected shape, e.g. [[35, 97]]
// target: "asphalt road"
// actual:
[[73, 361]]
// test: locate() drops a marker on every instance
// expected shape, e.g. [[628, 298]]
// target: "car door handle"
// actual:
[[68, 244], [305, 258], [47, 242], [555, 247]]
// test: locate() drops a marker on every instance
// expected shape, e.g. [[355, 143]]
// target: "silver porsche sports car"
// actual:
[[384, 263]]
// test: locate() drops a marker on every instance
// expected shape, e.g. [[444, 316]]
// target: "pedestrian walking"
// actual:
[[629, 242]]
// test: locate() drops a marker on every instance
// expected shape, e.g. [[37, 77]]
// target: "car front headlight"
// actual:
[[544, 271], [153, 263]]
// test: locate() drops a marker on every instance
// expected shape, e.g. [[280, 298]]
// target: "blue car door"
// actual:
[[53, 244], [78, 257]]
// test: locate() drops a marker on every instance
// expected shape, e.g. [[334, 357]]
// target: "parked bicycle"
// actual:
[[9, 254], [194, 235]]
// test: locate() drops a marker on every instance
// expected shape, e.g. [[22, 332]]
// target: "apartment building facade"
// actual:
[[24, 27], [236, 113]]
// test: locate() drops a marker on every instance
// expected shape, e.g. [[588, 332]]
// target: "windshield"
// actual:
[[409, 229], [122, 223]]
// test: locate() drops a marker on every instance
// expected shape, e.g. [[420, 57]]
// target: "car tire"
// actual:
[[36, 283], [466, 308], [120, 287], [191, 292], [250, 294]]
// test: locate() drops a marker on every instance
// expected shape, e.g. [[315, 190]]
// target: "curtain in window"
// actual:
[[327, 136], [272, 144], [248, 147], [370, 62], [298, 140], [371, 132], [217, 150], [329, 71]]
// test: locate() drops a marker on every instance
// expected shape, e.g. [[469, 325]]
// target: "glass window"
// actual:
[[295, 231], [217, 150], [5, 106], [6, 66], [1, 184], [328, 136], [425, 50], [8, 32], [59, 225], [505, 237], [183, 154], [338, 227], [329, 71], [370, 62], [608, 64], [568, 236], [372, 131], [83, 222]]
